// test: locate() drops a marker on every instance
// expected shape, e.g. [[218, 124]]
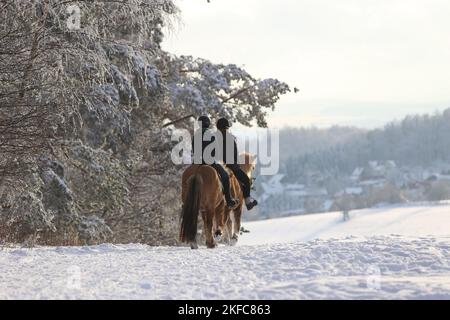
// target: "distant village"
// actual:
[[377, 183]]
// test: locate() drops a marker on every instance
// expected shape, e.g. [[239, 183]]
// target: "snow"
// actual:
[[294, 187], [357, 173], [383, 253], [420, 219], [274, 185], [373, 182], [311, 192], [354, 190], [327, 205], [153, 78]]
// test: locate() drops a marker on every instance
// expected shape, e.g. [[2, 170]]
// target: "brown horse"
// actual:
[[232, 217], [202, 193]]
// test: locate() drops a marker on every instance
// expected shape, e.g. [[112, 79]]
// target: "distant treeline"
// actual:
[[420, 140]]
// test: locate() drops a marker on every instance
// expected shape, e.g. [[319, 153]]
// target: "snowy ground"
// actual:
[[390, 253], [409, 220]]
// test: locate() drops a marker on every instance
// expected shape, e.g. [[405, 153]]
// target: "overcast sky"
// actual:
[[356, 62]]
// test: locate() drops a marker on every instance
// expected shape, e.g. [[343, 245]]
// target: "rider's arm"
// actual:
[[235, 150]]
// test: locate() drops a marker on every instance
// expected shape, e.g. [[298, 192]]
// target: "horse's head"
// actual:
[[247, 163]]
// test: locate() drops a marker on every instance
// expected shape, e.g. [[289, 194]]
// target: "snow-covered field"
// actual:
[[413, 220], [386, 253]]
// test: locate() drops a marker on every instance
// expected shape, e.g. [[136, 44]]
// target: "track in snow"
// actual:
[[369, 266]]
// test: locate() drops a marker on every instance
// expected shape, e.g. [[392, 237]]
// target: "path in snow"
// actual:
[[278, 259], [380, 267]]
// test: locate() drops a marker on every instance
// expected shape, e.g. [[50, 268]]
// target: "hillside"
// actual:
[[342, 168]]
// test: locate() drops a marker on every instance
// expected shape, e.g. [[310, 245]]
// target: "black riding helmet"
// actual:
[[205, 122], [223, 124]]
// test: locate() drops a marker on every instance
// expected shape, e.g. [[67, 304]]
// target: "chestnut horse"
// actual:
[[232, 217], [202, 194]]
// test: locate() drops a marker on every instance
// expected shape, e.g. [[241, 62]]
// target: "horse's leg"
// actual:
[[194, 244], [237, 218], [221, 217], [217, 224], [236, 214], [208, 217], [225, 219], [228, 229]]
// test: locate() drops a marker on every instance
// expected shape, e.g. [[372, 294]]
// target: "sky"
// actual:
[[356, 62]]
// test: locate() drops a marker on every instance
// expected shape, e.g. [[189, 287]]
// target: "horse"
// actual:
[[202, 194], [232, 217]]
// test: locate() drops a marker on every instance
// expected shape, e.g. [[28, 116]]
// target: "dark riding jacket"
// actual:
[[227, 152], [224, 147], [205, 137]]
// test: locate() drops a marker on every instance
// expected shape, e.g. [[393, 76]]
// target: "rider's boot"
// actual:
[[250, 203]]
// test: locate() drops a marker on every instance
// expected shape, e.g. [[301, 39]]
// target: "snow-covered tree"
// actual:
[[101, 169], [199, 86]]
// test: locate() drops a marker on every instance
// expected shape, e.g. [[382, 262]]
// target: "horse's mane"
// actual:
[[247, 161]]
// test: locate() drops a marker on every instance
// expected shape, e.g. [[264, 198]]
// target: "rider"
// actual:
[[206, 137], [229, 157]]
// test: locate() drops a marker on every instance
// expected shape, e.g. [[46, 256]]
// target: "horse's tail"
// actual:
[[190, 211]]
